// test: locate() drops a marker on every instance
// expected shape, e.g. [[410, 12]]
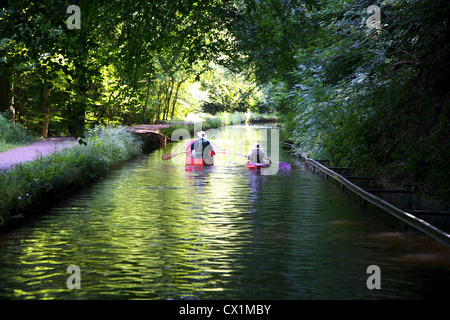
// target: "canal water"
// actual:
[[156, 229]]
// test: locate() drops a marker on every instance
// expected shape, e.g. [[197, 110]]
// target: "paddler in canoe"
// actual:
[[258, 158], [201, 151]]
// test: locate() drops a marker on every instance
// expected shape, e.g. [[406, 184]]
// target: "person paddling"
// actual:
[[257, 155], [202, 148]]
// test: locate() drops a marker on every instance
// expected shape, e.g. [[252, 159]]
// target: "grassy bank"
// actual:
[[12, 135], [31, 186], [223, 119]]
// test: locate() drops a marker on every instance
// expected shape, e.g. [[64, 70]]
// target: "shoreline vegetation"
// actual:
[[32, 186], [35, 185], [13, 135], [220, 120], [363, 94]]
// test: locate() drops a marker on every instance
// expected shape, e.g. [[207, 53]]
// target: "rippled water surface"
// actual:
[[158, 230]]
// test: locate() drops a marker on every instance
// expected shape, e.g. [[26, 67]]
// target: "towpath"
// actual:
[[12, 157]]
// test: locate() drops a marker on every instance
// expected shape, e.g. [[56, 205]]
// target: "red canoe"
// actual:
[[254, 166], [197, 161]]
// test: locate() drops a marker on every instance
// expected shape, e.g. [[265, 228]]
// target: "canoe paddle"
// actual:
[[281, 165], [169, 156], [223, 151]]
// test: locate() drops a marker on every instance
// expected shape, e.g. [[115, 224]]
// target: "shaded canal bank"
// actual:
[[34, 177], [155, 230], [404, 219], [33, 183]]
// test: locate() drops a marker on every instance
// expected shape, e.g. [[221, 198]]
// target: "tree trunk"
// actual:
[[146, 102], [18, 104], [158, 113], [154, 114], [169, 96], [45, 111], [4, 93], [77, 114], [11, 106], [76, 119], [174, 102]]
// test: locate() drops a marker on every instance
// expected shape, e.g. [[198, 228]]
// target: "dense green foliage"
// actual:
[[129, 62], [12, 135], [31, 185], [220, 120], [378, 98], [374, 98], [228, 91]]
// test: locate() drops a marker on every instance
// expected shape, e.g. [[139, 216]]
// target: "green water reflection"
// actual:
[[155, 230]]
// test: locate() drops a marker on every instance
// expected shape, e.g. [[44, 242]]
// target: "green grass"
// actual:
[[31, 186], [12, 135]]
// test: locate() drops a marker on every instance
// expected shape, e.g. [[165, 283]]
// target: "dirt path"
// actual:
[[10, 158]]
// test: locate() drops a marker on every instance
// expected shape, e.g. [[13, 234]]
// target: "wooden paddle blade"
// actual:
[[166, 156], [284, 166], [169, 156]]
